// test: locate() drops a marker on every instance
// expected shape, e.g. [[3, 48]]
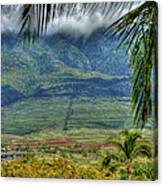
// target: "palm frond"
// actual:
[[138, 29], [129, 142], [142, 150]]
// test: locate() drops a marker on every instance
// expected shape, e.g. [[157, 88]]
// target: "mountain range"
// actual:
[[59, 65]]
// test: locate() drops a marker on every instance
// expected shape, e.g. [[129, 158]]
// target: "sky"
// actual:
[[77, 24]]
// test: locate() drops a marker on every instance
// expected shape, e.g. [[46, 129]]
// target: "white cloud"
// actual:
[[9, 18], [75, 25]]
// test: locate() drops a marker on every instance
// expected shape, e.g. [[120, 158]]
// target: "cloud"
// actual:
[[73, 26], [9, 18]]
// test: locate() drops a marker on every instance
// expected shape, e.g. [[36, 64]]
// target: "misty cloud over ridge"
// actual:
[[84, 27], [77, 24]]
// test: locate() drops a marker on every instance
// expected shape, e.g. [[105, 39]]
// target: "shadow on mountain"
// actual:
[[10, 95]]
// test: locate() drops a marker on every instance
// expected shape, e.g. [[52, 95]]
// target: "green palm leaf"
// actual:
[[138, 29], [142, 150]]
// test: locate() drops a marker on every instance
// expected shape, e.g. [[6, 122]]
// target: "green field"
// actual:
[[36, 114]]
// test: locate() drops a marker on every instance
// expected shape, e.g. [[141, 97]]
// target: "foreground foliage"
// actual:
[[82, 154], [58, 167], [129, 149]]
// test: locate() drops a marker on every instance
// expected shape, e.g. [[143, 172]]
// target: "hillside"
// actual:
[[41, 83], [101, 51], [41, 68], [33, 115]]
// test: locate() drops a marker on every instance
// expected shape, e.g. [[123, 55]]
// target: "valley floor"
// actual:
[[76, 154]]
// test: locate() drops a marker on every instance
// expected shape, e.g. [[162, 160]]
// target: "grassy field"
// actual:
[[36, 114]]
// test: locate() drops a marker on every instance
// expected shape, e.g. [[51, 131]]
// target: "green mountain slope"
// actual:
[[37, 69], [39, 83], [69, 54]]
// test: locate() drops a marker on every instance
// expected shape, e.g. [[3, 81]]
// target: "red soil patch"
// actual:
[[85, 138], [64, 142], [61, 142], [94, 145]]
